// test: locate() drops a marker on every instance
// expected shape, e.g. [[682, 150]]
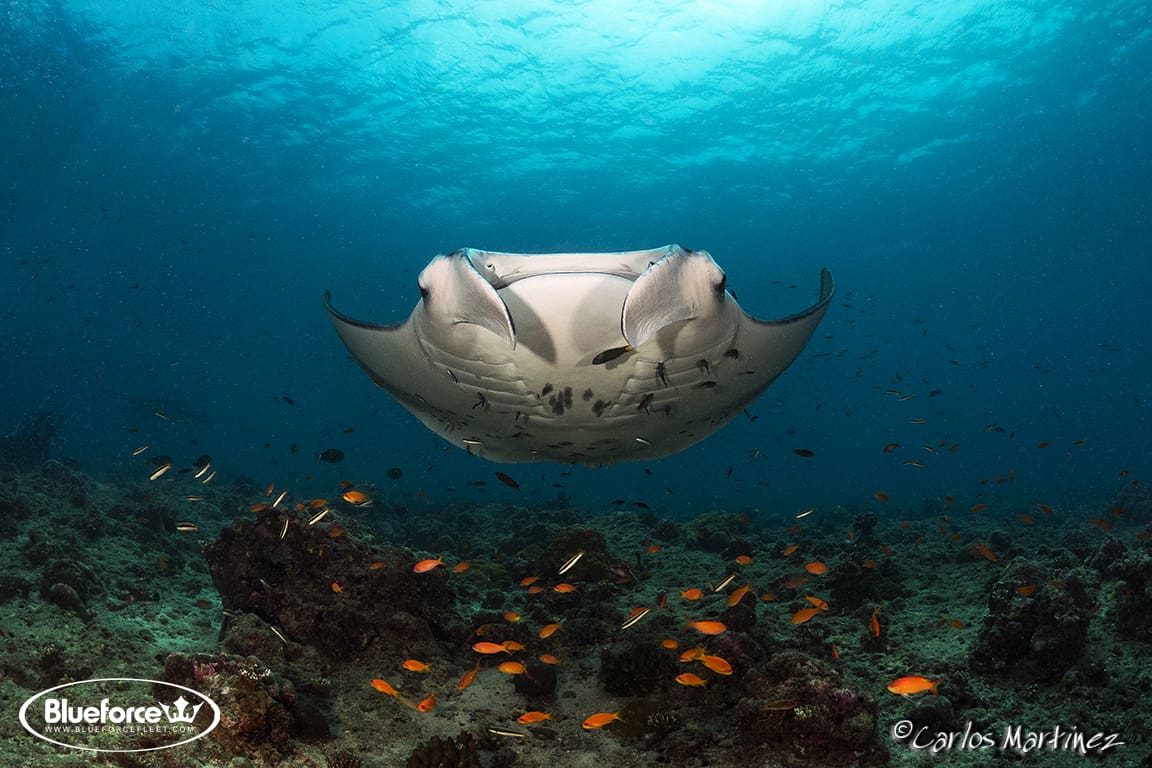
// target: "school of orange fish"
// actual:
[[908, 685]]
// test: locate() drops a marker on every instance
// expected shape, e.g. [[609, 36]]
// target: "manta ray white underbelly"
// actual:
[[594, 358]]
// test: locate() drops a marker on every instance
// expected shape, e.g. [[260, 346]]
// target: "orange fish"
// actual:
[[708, 627], [835, 651], [816, 602], [427, 565], [874, 623], [978, 507], [1044, 508], [564, 588], [533, 717], [383, 687], [490, 648], [1026, 519], [528, 581], [1025, 589], [548, 658], [870, 564], [376, 565], [692, 594], [548, 630], [744, 560], [469, 678], [816, 568], [461, 567], [512, 668], [669, 643], [716, 664], [511, 617], [415, 665], [1102, 524], [909, 686], [600, 719], [535, 589], [693, 654], [317, 503], [690, 679], [738, 595], [427, 705], [790, 549], [795, 581], [982, 550], [355, 497], [804, 614], [512, 645], [768, 597], [261, 507], [653, 549], [881, 497]]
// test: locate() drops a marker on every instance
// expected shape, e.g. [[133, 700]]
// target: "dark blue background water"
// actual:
[[182, 183]]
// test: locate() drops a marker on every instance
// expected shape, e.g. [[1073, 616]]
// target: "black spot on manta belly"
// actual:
[[587, 394]]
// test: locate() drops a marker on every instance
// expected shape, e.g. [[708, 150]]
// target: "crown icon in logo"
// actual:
[[180, 715]]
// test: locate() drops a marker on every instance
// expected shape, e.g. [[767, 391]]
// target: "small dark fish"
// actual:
[[662, 372], [646, 402], [292, 449], [803, 452], [507, 480], [331, 455], [395, 473], [934, 392], [202, 461], [609, 355], [288, 400], [732, 354], [640, 505], [479, 482]]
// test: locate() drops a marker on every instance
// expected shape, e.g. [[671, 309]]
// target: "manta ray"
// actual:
[[590, 358]]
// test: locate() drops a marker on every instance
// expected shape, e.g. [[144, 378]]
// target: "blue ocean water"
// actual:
[[182, 182]]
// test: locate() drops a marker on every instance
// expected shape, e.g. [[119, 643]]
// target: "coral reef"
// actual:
[[320, 590], [259, 710], [463, 751], [1037, 627], [635, 668], [797, 707]]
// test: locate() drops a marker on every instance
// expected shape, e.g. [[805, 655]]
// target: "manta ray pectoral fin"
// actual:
[[386, 352], [779, 342], [454, 292], [680, 286]]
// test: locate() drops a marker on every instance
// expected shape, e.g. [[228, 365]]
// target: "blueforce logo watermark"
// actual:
[[119, 714]]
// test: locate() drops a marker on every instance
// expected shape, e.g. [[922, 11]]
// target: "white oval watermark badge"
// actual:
[[119, 714]]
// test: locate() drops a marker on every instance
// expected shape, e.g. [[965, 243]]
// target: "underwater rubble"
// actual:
[[346, 634]]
